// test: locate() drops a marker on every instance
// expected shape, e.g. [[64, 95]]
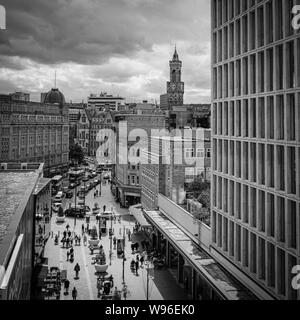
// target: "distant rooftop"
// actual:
[[13, 186]]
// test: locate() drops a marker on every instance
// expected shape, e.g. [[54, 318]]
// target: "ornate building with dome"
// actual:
[[36, 132]]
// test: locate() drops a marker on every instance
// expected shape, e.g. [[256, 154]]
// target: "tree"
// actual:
[[197, 187], [76, 153]]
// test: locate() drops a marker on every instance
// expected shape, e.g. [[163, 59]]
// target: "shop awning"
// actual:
[[139, 216]]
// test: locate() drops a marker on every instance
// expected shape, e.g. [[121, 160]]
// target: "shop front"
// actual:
[[192, 267]]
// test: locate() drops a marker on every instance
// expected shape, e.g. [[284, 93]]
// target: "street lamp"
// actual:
[[148, 266], [123, 264], [75, 207]]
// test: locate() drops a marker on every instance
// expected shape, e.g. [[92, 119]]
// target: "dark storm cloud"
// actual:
[[91, 31]]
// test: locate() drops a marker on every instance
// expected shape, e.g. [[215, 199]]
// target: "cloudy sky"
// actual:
[[119, 46]]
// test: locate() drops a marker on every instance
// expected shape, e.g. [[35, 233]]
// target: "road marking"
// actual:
[[87, 274]]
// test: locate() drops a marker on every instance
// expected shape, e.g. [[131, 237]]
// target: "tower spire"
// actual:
[[55, 80], [175, 55]]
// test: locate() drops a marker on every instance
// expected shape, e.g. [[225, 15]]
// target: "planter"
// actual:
[[101, 268], [60, 219], [94, 242]]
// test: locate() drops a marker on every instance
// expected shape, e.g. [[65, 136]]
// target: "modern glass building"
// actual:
[[256, 141]]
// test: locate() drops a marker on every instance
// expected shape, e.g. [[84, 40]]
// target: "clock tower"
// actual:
[[175, 87]]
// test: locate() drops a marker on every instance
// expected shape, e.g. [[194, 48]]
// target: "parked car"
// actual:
[[58, 197], [78, 211], [65, 189], [69, 194], [72, 185]]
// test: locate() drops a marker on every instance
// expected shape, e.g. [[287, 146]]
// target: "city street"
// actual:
[[162, 287]]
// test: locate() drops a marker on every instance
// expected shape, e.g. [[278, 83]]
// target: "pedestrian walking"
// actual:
[[100, 234], [74, 293], [104, 208], [84, 239], [82, 228], [65, 234], [68, 254], [129, 235], [63, 242], [142, 260], [67, 227], [67, 242], [69, 234], [137, 258], [79, 240], [67, 285], [77, 269], [136, 267]]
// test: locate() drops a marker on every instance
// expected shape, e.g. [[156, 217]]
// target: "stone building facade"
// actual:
[[35, 132], [127, 174]]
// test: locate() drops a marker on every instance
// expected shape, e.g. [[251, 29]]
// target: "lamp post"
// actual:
[[110, 236], [123, 264], [75, 207], [148, 266]]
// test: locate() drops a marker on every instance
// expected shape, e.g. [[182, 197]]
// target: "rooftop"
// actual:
[[13, 186], [42, 183]]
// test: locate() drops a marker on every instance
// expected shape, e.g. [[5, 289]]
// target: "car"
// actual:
[[96, 182], [69, 194], [72, 185], [85, 179], [65, 189], [72, 212], [106, 176]]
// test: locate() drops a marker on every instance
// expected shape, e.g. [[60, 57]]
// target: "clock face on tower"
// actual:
[[173, 86]]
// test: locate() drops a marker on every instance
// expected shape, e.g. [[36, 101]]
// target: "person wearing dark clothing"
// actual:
[[77, 269], [67, 227], [82, 229], [104, 208], [71, 251], [67, 285], [69, 234], [67, 242], [74, 293], [136, 266], [68, 253], [65, 234]]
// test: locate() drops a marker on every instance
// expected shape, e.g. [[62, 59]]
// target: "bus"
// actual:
[[56, 184], [75, 176]]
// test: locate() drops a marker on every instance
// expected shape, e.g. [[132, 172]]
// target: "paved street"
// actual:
[[163, 286]]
